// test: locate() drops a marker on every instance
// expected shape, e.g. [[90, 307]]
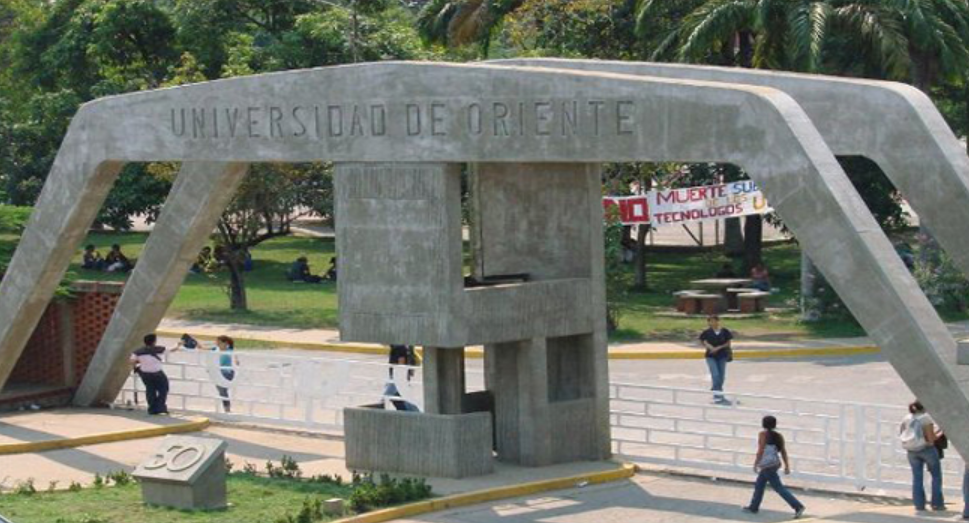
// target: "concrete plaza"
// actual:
[[664, 498]]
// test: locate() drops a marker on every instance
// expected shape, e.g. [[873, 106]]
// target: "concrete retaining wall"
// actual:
[[433, 445]]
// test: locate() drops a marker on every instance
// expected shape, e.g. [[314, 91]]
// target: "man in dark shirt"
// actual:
[[147, 362], [716, 341]]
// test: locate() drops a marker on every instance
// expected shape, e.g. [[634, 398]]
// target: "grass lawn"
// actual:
[[252, 499], [275, 301]]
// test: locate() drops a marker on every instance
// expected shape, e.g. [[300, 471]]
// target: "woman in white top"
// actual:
[[917, 433]]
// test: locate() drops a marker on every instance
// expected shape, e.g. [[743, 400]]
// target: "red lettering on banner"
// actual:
[[634, 210], [631, 210]]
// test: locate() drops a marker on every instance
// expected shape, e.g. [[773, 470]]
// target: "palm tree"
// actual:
[[460, 22], [769, 34]]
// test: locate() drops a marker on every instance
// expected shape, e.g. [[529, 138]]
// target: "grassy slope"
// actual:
[[277, 302], [253, 500]]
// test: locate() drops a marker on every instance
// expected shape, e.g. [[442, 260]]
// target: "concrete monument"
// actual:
[[186, 473], [398, 133]]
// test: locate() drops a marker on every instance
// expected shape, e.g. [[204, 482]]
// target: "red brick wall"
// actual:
[[90, 310], [42, 361]]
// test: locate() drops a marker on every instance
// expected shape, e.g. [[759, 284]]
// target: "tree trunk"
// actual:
[[745, 55], [809, 273], [640, 260], [237, 283], [733, 238], [753, 240]]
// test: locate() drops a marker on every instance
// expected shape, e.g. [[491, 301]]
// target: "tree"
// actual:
[[579, 28], [456, 23], [268, 201]]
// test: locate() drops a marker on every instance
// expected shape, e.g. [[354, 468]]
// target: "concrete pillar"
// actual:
[[190, 214], [444, 380], [398, 236], [69, 203], [545, 220]]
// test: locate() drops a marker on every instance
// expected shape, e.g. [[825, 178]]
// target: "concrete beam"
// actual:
[[76, 187], [191, 212], [894, 124]]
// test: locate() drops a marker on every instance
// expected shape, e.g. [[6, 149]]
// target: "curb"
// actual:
[[625, 471], [195, 425], [475, 353]]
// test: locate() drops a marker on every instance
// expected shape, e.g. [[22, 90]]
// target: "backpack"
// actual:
[[912, 436], [771, 458]]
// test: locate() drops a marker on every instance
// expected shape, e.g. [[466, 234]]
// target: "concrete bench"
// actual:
[[733, 292], [711, 303], [752, 301], [685, 299]]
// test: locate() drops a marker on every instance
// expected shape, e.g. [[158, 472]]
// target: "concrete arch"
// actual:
[[414, 112], [894, 124]]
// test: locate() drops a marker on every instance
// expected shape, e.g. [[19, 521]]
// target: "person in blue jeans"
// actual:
[[924, 456], [716, 341], [771, 455]]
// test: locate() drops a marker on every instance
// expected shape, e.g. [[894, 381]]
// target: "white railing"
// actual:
[[309, 392], [829, 442]]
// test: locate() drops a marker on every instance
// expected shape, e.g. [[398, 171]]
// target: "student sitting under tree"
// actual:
[[116, 261], [92, 259], [300, 272]]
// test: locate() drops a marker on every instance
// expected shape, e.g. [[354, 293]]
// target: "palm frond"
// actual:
[[809, 27], [714, 22]]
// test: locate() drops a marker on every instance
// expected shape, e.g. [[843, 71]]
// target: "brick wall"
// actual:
[[68, 335], [91, 312], [42, 361]]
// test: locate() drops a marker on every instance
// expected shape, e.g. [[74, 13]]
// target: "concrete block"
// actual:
[[186, 473], [434, 445]]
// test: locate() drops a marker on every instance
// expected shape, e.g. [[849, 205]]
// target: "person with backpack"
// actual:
[[917, 435], [771, 455], [147, 363]]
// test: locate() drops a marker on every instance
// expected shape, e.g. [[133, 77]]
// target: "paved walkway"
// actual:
[[663, 498], [649, 497], [323, 339]]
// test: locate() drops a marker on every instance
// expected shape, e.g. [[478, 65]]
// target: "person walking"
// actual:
[[917, 434], [716, 341], [771, 455], [147, 363]]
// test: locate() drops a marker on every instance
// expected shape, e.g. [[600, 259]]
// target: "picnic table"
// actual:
[[727, 289]]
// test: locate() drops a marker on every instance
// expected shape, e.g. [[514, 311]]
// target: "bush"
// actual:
[[368, 495], [13, 218]]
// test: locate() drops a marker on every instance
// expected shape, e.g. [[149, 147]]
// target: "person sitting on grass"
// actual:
[[300, 272], [92, 259], [116, 261], [331, 272], [204, 262]]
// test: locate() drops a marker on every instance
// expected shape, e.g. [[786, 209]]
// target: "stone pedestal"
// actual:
[[185, 473]]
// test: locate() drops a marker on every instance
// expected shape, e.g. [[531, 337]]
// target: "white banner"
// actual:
[[691, 204]]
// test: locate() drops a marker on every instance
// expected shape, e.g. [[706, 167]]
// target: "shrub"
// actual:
[[26, 487], [368, 494], [13, 219]]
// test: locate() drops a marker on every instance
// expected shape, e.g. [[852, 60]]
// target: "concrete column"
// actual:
[[191, 212], [561, 204], [444, 380], [534, 412], [69, 203]]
